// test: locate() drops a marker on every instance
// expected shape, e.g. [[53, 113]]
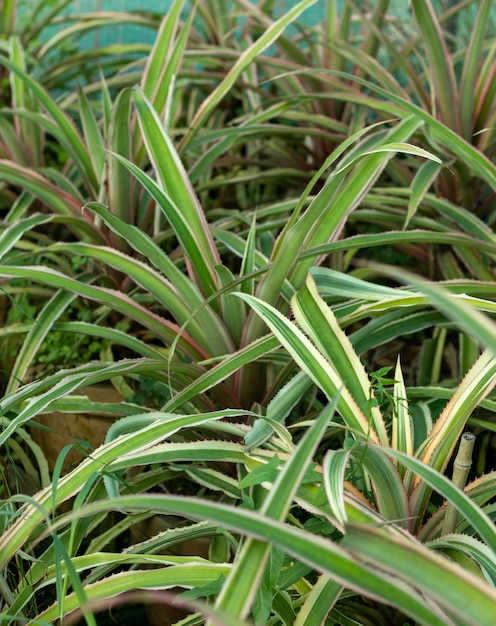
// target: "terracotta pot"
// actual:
[[72, 428], [91, 428]]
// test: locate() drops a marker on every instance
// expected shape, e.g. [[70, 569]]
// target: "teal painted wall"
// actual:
[[135, 34]]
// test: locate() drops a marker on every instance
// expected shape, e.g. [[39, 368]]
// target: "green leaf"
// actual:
[[470, 72], [314, 364], [334, 471], [402, 430], [8, 16], [119, 301], [120, 192], [398, 147], [262, 473], [443, 82], [92, 135], [390, 495], [421, 183], [481, 523], [318, 322], [210, 589], [319, 602], [268, 36], [54, 307], [441, 442], [182, 298], [12, 234], [481, 165], [245, 577], [146, 431], [70, 135], [248, 261], [454, 306], [57, 199], [163, 62], [469, 546], [278, 410], [462, 595], [185, 575], [474, 387], [110, 335], [223, 370], [323, 219], [336, 561], [204, 451], [232, 310], [30, 133], [181, 207]]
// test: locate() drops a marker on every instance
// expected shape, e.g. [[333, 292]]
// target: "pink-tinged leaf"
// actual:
[[443, 81]]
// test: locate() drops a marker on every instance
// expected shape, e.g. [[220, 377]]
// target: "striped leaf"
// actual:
[[320, 325], [316, 366]]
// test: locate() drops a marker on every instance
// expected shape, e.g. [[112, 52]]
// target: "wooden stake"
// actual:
[[461, 469]]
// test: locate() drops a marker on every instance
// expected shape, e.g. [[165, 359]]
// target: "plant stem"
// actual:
[[461, 469]]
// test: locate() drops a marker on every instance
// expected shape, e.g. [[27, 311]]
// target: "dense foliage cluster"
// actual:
[[272, 246]]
